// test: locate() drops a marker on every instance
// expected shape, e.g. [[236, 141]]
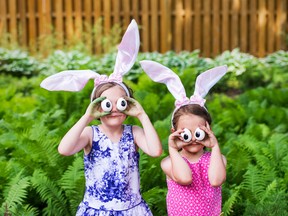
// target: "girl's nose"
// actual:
[[114, 108]]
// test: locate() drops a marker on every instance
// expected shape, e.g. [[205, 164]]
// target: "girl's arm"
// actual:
[[80, 136], [146, 138], [174, 166], [77, 138], [217, 167]]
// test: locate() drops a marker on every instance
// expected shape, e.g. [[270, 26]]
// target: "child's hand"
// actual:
[[94, 108], [134, 107], [175, 140], [210, 140]]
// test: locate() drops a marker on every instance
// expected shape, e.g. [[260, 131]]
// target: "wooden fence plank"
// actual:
[[188, 26], [69, 27], [78, 18], [207, 29], [283, 40], [88, 12], [243, 26], [48, 16], [135, 10], [271, 27], [262, 28], [197, 30], [116, 11], [107, 16], [145, 25], [178, 26], [154, 26], [97, 22], [280, 20], [234, 24], [126, 14], [32, 26], [166, 32], [253, 28], [216, 27], [13, 23], [59, 22], [225, 25], [88, 28], [23, 24], [3, 18]]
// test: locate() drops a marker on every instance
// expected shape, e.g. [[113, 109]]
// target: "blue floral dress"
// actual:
[[112, 177]]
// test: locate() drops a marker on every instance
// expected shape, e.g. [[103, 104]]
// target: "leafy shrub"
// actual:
[[18, 63], [250, 123]]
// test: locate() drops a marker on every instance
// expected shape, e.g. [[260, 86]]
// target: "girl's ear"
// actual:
[[172, 130]]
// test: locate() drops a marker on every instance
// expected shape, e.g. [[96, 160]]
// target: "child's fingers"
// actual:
[[129, 99], [98, 100]]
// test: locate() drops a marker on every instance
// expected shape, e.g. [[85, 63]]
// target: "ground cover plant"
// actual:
[[248, 107]]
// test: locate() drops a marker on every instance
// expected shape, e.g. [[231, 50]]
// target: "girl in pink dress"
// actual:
[[194, 175]]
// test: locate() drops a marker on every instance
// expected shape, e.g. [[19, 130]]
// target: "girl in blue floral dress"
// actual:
[[111, 155]]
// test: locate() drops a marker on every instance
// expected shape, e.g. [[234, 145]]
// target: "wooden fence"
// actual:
[[258, 27]]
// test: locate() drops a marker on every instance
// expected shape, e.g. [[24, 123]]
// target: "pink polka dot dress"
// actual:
[[197, 199]]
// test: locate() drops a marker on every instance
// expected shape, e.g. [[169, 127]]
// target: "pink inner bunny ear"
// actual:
[[162, 74], [127, 50], [73, 80], [206, 80]]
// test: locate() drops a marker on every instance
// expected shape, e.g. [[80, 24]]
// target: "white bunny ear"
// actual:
[[206, 80], [73, 80], [159, 73], [127, 50]]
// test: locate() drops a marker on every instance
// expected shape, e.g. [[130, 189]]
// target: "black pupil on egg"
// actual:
[[197, 134], [123, 103], [108, 105], [185, 136]]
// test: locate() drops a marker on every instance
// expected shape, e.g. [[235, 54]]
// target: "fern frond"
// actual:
[[151, 167], [155, 198], [73, 183], [270, 189], [50, 193], [23, 210], [230, 202], [278, 145], [255, 181], [16, 192]]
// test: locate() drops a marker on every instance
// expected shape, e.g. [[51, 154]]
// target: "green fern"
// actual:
[[15, 193], [255, 181], [72, 183], [229, 204], [51, 194], [24, 210], [155, 198]]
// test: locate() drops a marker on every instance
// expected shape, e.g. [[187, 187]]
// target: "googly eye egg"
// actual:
[[121, 104], [199, 134], [186, 135], [106, 105]]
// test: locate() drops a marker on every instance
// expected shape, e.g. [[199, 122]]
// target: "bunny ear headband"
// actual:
[[204, 82], [75, 80]]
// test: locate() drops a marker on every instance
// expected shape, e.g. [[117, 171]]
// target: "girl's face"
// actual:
[[116, 117], [191, 122]]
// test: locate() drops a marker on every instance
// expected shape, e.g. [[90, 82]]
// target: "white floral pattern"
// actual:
[[112, 177]]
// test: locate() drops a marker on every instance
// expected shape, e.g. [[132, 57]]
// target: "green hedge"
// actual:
[[248, 107]]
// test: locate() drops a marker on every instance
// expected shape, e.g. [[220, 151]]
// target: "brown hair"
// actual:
[[194, 109], [103, 87]]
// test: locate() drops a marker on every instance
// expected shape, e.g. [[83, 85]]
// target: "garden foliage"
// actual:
[[248, 107]]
